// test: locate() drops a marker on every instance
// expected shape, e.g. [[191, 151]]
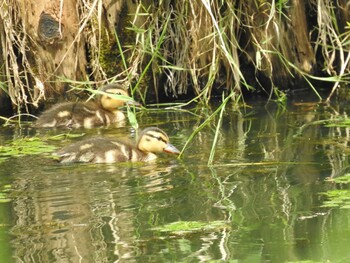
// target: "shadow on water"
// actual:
[[260, 201]]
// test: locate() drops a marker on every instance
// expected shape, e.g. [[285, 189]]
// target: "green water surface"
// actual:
[[264, 199]]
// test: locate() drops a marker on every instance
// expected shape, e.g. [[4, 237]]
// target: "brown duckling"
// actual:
[[103, 111], [103, 150]]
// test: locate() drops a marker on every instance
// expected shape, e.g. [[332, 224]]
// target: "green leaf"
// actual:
[[132, 118], [341, 122]]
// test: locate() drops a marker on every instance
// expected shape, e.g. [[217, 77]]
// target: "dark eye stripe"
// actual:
[[159, 138]]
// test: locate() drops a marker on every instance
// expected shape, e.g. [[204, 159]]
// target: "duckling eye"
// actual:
[[161, 139], [158, 138]]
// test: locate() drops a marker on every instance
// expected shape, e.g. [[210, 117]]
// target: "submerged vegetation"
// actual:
[[338, 197], [25, 146]]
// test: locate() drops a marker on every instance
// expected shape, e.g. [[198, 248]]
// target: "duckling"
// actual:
[[103, 111], [103, 150]]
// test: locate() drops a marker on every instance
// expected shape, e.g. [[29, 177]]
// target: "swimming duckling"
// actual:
[[103, 111], [103, 150]]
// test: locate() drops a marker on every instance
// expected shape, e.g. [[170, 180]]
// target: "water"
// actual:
[[264, 191]]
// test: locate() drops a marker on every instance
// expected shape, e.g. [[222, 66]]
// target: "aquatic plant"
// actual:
[[338, 197], [25, 146]]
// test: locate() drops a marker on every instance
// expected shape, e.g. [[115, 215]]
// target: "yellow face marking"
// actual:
[[153, 141], [112, 104], [158, 136]]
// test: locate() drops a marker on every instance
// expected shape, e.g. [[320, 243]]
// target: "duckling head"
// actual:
[[112, 104], [155, 140]]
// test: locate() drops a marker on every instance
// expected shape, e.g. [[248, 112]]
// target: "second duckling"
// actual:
[[103, 150], [103, 111]]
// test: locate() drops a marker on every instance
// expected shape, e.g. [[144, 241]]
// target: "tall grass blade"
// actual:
[[218, 128]]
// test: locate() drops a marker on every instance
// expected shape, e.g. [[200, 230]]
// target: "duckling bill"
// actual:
[[102, 112], [103, 150]]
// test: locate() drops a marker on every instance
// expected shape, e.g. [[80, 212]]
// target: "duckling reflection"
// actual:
[[103, 150], [103, 111]]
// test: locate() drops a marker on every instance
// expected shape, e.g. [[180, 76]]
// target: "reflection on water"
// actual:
[[74, 213], [266, 181]]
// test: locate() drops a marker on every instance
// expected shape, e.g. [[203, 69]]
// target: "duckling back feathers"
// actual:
[[103, 111], [102, 150], [76, 115]]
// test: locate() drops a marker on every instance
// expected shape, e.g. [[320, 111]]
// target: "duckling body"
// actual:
[[103, 150], [102, 112]]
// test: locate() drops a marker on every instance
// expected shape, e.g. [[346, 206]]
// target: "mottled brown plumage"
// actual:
[[103, 150], [102, 112]]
